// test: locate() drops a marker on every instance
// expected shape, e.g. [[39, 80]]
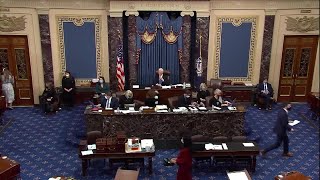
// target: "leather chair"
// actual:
[[215, 84], [92, 136], [208, 98], [200, 138], [220, 139], [239, 138], [173, 101]]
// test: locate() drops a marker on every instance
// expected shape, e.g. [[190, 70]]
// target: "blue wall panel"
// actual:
[[80, 49], [235, 48]]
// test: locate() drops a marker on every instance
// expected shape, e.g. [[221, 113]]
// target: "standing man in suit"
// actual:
[[265, 91], [281, 127], [109, 102], [161, 79]]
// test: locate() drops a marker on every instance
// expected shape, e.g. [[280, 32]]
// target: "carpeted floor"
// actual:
[[45, 146]]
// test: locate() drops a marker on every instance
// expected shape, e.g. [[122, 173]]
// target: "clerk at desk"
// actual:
[[161, 78], [109, 102]]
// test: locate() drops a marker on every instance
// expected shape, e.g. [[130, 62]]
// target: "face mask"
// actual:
[[187, 96], [101, 81], [289, 109], [67, 75]]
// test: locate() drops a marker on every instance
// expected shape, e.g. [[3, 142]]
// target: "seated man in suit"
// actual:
[[109, 101], [161, 78], [185, 99], [265, 91], [127, 98]]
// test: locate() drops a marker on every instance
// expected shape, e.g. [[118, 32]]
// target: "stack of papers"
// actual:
[[211, 146], [232, 108], [146, 142], [162, 111], [92, 146], [248, 144], [166, 87], [293, 123], [224, 145], [216, 108], [237, 175], [193, 109], [202, 108], [88, 152]]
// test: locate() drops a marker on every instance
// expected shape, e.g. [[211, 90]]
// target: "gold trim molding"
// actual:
[[302, 24], [12, 23], [79, 21], [236, 21], [187, 7]]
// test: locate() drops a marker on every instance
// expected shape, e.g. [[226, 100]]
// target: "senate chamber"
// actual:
[[150, 90]]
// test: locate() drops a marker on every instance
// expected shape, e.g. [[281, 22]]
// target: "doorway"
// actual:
[[14, 55], [297, 66]]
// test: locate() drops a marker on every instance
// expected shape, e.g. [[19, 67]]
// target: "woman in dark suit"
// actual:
[[127, 98], [101, 86], [49, 99], [202, 94], [68, 87]]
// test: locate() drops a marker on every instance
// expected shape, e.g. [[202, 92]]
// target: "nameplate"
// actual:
[[151, 110], [107, 112]]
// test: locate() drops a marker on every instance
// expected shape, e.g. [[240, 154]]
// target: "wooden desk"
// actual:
[[234, 149], [242, 93], [314, 102], [9, 169], [164, 94], [117, 155], [167, 126], [294, 175]]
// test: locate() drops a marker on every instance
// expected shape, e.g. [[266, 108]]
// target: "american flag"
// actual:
[[120, 69]]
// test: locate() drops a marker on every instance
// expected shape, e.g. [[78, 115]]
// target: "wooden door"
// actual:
[[14, 55], [297, 66]]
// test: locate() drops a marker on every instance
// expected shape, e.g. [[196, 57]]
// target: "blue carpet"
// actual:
[[45, 146]]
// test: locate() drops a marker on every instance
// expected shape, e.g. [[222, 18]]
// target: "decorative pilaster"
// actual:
[[203, 24], [46, 48], [115, 36], [185, 62], [132, 50], [266, 47]]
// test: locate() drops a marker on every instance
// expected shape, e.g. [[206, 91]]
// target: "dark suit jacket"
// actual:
[[166, 81], [281, 127], [123, 100], [215, 102], [183, 102], [151, 102], [114, 103], [261, 87]]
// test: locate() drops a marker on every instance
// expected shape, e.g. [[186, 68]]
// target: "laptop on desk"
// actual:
[[129, 106]]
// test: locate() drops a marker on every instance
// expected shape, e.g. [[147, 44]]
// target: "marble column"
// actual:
[[46, 48], [185, 62], [266, 47], [114, 31], [203, 24], [132, 50]]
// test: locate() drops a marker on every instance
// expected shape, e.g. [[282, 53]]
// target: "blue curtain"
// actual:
[[158, 52]]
